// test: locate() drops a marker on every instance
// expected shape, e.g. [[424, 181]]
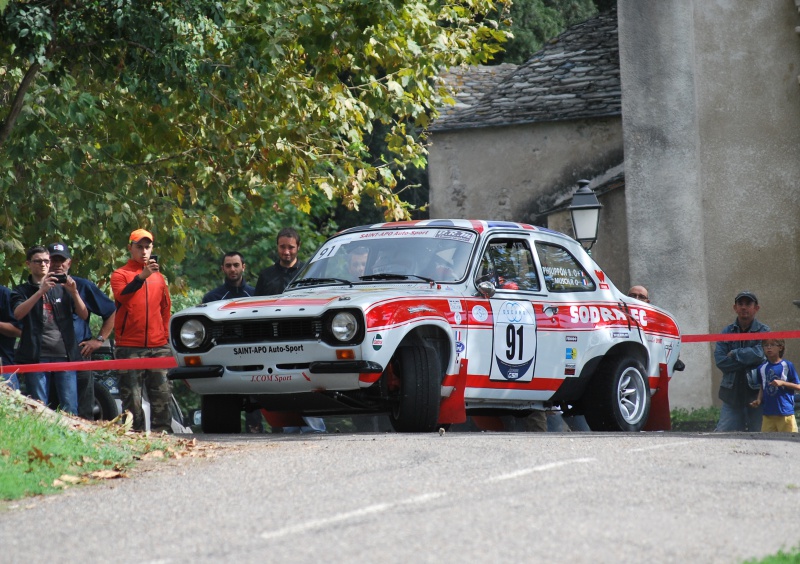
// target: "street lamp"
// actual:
[[585, 212]]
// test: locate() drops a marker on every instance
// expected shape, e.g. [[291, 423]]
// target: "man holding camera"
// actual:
[[97, 303], [141, 329], [45, 304]]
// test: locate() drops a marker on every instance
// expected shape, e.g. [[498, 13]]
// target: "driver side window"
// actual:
[[508, 264]]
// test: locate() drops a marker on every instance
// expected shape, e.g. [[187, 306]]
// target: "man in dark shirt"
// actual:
[[274, 279], [10, 329], [234, 286], [97, 303]]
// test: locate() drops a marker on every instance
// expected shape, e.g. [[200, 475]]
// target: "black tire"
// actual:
[[221, 414], [415, 407], [104, 407], [618, 397]]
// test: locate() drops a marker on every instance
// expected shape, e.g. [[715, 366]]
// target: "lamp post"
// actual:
[[585, 212]]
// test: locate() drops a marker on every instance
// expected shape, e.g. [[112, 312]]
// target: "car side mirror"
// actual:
[[197, 417], [486, 289]]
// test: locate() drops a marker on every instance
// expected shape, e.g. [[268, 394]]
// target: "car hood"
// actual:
[[311, 301]]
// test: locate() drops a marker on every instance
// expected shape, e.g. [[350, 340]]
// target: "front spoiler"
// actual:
[[192, 372], [321, 367], [345, 367]]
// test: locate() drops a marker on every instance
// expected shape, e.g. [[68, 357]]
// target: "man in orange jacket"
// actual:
[[141, 329]]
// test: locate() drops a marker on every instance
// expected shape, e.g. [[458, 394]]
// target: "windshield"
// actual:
[[440, 254]]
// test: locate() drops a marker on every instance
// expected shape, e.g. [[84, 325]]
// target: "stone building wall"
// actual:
[[711, 113], [515, 173]]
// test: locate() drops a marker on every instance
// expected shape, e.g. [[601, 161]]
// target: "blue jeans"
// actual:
[[66, 384], [739, 418], [11, 380]]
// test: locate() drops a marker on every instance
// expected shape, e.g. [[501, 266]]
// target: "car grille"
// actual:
[[266, 330]]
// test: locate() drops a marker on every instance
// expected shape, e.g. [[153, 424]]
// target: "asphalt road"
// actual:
[[460, 497]]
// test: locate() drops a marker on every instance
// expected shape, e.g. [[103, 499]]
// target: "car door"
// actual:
[[565, 314], [507, 262]]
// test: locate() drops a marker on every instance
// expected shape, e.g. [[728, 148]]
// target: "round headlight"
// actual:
[[344, 326], [193, 332]]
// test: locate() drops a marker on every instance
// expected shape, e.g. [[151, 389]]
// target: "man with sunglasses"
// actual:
[[639, 293], [45, 304]]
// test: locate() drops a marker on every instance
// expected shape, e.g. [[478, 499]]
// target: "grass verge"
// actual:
[[791, 556], [700, 419], [42, 451]]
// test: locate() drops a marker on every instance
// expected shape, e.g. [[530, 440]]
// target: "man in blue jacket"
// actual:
[[234, 286], [736, 359], [97, 303]]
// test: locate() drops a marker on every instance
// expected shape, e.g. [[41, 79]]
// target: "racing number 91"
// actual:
[[514, 341], [327, 252]]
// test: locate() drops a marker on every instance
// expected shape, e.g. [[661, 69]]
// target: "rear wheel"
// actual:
[[221, 414], [417, 390], [618, 397]]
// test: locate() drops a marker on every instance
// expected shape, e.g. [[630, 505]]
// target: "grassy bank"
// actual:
[[42, 451]]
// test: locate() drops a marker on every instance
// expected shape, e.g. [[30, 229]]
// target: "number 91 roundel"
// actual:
[[514, 340]]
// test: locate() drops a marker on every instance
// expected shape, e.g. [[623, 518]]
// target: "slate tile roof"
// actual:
[[575, 76], [471, 83]]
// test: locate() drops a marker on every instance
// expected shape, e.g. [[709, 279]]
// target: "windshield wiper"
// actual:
[[310, 281], [391, 276]]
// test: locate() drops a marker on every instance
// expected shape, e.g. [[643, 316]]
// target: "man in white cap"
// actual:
[[141, 330]]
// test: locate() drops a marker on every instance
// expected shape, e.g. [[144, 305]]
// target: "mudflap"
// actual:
[[452, 409], [283, 418], [659, 418], [488, 423]]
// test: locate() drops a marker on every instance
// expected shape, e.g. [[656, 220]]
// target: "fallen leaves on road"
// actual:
[[155, 450], [107, 475]]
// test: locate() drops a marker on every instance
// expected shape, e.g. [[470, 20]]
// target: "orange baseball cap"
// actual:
[[140, 234]]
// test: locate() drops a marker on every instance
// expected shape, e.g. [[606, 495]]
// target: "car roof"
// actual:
[[478, 225]]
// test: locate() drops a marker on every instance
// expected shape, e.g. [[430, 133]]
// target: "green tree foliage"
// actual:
[[255, 238], [536, 21], [196, 118]]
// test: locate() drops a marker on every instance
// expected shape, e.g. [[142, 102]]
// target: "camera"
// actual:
[[60, 278], [154, 257]]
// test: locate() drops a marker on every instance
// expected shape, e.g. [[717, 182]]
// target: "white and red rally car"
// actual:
[[430, 321]]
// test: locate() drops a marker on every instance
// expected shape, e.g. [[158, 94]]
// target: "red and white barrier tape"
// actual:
[[122, 364], [740, 336], [169, 362]]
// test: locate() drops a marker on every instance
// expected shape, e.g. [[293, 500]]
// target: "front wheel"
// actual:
[[618, 397], [104, 407], [415, 401], [221, 414]]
